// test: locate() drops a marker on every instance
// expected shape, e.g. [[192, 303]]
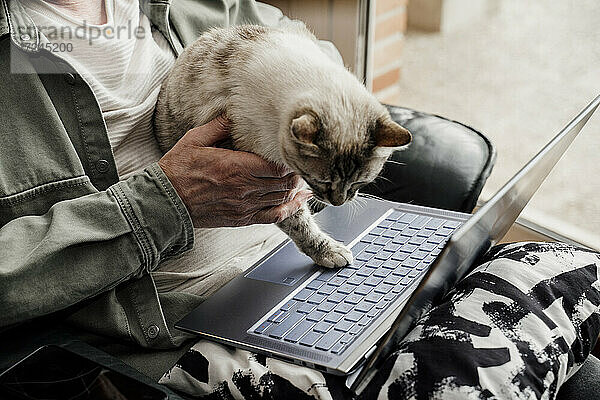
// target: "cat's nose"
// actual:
[[337, 199]]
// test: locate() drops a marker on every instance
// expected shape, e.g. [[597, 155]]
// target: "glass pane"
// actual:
[[518, 71]]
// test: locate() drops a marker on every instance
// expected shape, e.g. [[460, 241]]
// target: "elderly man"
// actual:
[[92, 214]]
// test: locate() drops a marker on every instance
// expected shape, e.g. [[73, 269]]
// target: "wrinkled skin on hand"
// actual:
[[227, 188]]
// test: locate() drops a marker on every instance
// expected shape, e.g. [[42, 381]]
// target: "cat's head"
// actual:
[[338, 153]]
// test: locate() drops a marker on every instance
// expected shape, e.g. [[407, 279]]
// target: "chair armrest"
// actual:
[[445, 166]]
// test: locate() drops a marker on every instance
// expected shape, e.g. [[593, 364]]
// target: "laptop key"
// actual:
[[373, 249], [365, 288], [305, 308], [288, 305], [327, 274], [444, 231], [425, 232], [333, 317], [374, 311], [452, 224], [329, 339], [355, 280], [346, 273], [310, 338], [373, 297], [400, 256], [315, 316], [364, 306], [434, 223], [364, 321], [419, 255], [374, 263], [365, 271], [336, 297], [358, 247], [262, 327], [408, 248], [437, 239], [386, 223], [326, 289], [417, 240], [354, 316], [354, 299], [394, 215], [314, 285], [413, 273], [427, 247], [278, 316], [383, 255], [322, 327], [368, 238], [390, 264], [278, 330], [420, 221], [299, 330], [343, 308], [337, 348], [410, 232], [384, 288], [382, 241], [356, 329], [392, 280], [410, 263], [382, 273], [364, 256], [402, 271], [343, 326], [408, 218], [347, 338], [326, 307], [371, 281], [316, 298], [303, 294], [346, 288], [390, 297], [336, 281], [422, 265], [392, 247], [407, 280]]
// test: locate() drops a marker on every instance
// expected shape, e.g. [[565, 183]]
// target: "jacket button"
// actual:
[[102, 166], [153, 331], [70, 78]]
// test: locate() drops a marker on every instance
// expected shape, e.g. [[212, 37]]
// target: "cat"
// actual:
[[289, 103]]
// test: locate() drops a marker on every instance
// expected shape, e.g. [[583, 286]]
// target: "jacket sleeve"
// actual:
[[85, 246]]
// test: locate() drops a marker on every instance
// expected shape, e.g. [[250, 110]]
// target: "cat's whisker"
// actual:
[[395, 162], [384, 178]]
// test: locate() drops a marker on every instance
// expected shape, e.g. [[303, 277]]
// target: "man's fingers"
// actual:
[[282, 211], [208, 134], [274, 199]]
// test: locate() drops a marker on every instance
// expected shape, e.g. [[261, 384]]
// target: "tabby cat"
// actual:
[[291, 104]]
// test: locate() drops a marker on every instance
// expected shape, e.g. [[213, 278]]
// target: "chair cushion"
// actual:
[[445, 165]]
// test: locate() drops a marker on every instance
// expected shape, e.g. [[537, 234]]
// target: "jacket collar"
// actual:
[[15, 21]]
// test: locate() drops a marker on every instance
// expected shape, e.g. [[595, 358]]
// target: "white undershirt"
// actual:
[[125, 75]]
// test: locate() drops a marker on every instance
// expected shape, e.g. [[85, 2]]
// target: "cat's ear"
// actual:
[[305, 128], [387, 133]]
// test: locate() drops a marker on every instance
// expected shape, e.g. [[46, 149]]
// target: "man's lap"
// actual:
[[519, 324]]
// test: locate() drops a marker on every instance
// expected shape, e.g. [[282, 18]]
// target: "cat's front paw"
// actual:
[[333, 254]]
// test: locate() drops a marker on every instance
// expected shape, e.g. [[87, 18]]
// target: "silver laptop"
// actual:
[[405, 258]]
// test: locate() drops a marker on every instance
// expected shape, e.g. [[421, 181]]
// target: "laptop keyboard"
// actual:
[[335, 307]]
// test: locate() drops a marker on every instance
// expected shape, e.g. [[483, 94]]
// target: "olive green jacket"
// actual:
[[70, 232]]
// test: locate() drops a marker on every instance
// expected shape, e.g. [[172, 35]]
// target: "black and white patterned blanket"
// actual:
[[518, 326]]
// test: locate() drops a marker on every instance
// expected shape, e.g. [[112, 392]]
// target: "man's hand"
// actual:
[[223, 187]]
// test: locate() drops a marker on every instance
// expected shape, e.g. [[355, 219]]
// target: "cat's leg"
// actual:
[[312, 241]]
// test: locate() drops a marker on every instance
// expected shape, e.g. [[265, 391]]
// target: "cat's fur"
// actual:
[[288, 102]]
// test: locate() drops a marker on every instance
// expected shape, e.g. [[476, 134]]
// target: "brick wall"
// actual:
[[387, 42]]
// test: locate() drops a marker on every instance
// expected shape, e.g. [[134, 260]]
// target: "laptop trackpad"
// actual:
[[286, 267]]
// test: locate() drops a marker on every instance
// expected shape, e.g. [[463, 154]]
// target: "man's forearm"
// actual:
[[85, 246]]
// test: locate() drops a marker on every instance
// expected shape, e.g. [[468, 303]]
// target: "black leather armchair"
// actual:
[[445, 165]]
